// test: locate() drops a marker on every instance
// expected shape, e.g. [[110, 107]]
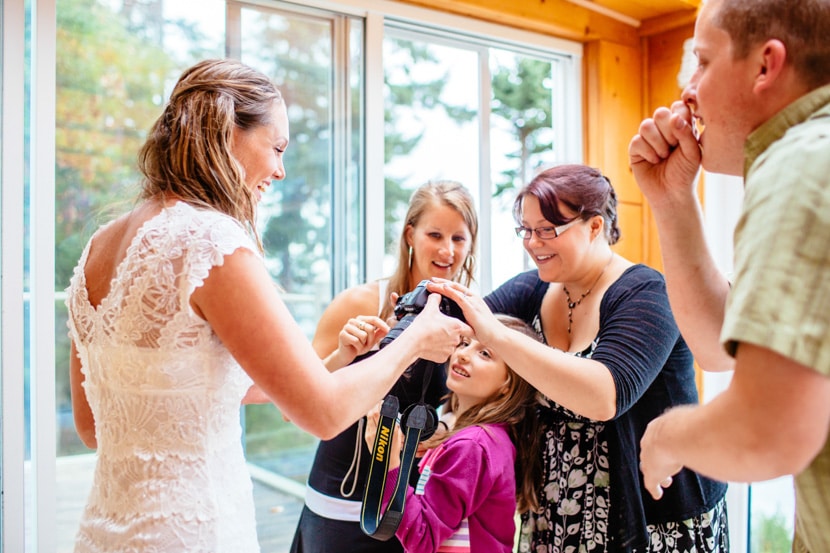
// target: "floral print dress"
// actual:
[[576, 497]]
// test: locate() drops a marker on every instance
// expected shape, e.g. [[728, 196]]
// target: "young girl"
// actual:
[[474, 476]]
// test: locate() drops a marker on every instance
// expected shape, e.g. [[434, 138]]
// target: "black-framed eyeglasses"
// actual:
[[545, 233]]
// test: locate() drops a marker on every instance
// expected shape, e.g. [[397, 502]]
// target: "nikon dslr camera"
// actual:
[[410, 304]]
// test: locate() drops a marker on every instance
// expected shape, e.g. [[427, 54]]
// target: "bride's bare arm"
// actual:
[[243, 307], [82, 413]]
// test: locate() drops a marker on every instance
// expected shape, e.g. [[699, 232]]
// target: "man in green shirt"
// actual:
[[762, 93]]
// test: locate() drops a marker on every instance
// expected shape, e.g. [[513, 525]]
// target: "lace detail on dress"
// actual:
[[166, 394]]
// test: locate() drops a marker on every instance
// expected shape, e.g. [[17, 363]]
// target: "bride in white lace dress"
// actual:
[[175, 322]]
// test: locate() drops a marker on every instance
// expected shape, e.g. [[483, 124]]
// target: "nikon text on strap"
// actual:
[[415, 422]]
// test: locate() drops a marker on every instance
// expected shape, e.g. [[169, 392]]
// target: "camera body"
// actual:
[[407, 308], [410, 304]]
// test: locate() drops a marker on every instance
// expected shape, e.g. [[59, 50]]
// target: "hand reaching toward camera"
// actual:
[[436, 334], [358, 336]]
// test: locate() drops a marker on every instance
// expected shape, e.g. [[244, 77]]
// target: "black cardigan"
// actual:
[[653, 370]]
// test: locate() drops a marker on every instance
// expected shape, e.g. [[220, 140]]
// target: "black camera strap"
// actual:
[[418, 422]]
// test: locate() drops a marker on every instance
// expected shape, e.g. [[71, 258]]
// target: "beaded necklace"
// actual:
[[572, 304]]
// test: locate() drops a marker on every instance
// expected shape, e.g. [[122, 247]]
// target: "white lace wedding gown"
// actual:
[[165, 393]]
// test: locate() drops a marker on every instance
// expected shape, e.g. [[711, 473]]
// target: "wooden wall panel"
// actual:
[[630, 217], [662, 55], [613, 93], [612, 105]]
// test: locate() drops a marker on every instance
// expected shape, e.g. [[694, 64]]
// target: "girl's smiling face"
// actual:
[[259, 151], [475, 374]]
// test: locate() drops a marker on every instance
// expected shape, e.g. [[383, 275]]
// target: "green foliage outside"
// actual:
[[296, 212], [110, 84], [110, 88], [403, 94], [522, 99], [771, 534]]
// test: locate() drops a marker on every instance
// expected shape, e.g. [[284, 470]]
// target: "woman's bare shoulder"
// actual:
[[358, 300]]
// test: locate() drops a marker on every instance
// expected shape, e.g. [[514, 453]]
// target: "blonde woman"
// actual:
[[438, 239]]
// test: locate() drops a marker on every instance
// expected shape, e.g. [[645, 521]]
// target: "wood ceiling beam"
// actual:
[[668, 22], [558, 18]]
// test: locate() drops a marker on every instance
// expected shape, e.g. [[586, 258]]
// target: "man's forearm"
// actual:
[[697, 289], [772, 420]]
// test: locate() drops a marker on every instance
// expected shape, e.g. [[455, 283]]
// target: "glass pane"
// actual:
[[432, 130], [309, 221], [115, 66], [772, 514], [295, 215], [521, 142]]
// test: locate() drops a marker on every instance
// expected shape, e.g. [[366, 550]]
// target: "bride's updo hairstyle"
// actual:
[[188, 149]]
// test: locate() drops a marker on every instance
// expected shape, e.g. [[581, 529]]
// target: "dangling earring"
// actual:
[[410, 258]]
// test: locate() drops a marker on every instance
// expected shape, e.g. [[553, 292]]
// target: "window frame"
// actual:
[[12, 433], [403, 18]]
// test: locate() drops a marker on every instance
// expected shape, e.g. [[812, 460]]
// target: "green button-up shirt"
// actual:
[[780, 297]]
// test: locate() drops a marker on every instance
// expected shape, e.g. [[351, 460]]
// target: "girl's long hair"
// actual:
[[517, 409]]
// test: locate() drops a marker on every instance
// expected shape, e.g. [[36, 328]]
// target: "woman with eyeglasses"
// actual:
[[612, 360]]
